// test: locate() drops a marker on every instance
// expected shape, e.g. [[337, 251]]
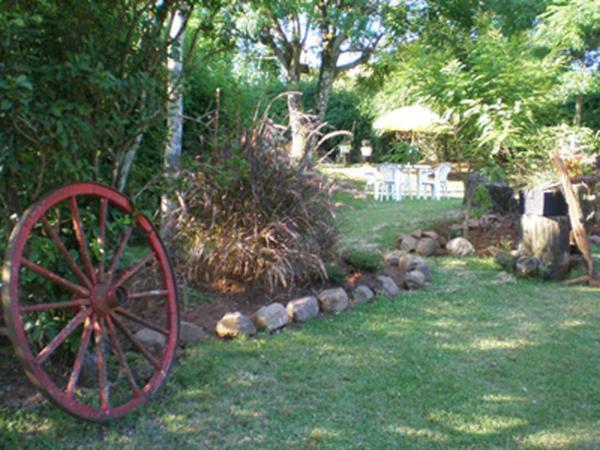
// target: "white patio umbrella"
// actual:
[[408, 119]]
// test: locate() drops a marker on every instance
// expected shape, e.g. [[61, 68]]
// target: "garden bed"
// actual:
[[501, 232], [207, 305]]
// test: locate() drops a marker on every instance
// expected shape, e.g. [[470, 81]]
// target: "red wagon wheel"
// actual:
[[90, 301]]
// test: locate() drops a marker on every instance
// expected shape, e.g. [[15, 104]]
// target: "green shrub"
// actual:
[[251, 215], [482, 201], [335, 274], [402, 152], [364, 260]]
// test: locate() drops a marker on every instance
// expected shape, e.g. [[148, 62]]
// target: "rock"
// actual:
[[420, 265], [407, 243], [152, 340], [302, 309], [362, 294], [393, 258], [388, 286], [415, 280], [271, 317], [333, 300], [504, 278], [190, 334], [427, 247], [409, 263], [595, 240], [504, 260], [528, 265], [491, 218], [431, 234], [235, 324], [404, 262], [417, 234], [460, 247], [394, 273], [474, 223]]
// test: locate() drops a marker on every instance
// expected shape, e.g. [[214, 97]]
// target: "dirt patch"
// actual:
[[15, 388], [499, 231]]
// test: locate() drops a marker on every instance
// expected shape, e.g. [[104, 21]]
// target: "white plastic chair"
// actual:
[[390, 183], [373, 181], [405, 171], [439, 182], [387, 185]]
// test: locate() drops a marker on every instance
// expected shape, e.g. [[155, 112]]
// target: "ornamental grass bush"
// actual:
[[366, 260], [248, 213]]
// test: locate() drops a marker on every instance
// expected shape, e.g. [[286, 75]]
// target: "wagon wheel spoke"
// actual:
[[121, 356], [81, 291], [102, 233], [60, 337], [134, 269], [119, 254], [101, 365], [141, 321], [55, 305], [151, 293], [85, 341], [64, 252], [136, 343], [81, 239]]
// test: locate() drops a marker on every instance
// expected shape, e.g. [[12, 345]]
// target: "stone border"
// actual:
[[275, 316]]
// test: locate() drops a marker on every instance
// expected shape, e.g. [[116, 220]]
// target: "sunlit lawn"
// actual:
[[366, 223], [464, 364]]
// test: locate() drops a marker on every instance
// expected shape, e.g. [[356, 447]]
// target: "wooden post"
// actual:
[[577, 219]]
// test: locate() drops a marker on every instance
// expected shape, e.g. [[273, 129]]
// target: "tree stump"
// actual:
[[546, 238]]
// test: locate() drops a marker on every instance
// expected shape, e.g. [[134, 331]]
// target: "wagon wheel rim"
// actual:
[[103, 311]]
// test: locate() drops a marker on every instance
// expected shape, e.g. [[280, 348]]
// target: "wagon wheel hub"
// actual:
[[104, 298]]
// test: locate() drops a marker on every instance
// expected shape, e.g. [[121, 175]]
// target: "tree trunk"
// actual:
[[324, 89], [172, 155], [298, 127], [126, 163], [578, 110]]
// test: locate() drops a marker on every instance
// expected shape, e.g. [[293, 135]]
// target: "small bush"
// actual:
[[335, 274], [364, 260], [248, 213], [482, 200]]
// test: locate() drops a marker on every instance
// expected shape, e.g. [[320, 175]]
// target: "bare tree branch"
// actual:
[[363, 58]]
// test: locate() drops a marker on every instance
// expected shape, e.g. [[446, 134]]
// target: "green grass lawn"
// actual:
[[367, 223], [464, 364]]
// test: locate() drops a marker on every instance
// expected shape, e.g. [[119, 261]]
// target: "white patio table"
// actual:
[[420, 171]]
